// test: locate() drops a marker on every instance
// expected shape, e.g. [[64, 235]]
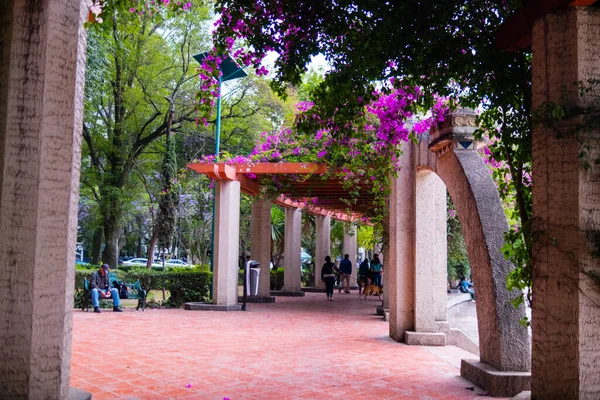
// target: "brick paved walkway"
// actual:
[[297, 348]]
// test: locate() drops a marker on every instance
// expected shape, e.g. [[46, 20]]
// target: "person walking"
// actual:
[[328, 276], [377, 269], [346, 271], [363, 274]]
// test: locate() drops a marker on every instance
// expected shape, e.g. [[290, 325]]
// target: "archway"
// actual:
[[451, 154]]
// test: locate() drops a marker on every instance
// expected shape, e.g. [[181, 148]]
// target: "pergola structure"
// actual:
[[309, 190], [307, 186]]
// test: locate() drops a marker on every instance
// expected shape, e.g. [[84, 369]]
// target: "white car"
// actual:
[[176, 263], [140, 262]]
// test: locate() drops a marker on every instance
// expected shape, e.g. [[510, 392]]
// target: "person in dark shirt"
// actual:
[[100, 286], [364, 271], [376, 269], [346, 271], [328, 276]]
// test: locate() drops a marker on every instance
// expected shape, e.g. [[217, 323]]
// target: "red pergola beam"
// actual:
[[514, 34], [263, 168]]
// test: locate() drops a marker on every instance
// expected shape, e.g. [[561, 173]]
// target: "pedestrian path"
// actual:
[[295, 348]]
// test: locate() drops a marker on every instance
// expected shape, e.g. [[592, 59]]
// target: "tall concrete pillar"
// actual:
[[260, 243], [323, 246], [292, 274], [401, 254], [566, 210], [42, 75], [227, 243], [385, 256], [351, 248], [431, 323]]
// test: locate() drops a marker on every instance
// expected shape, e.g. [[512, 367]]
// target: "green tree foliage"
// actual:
[[136, 68], [277, 234]]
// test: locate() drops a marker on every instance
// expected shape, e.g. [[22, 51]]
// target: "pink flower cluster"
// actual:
[[361, 153]]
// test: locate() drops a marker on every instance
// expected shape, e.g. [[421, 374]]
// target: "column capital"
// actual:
[[457, 132]]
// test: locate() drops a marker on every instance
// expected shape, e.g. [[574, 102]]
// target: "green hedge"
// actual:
[[277, 279], [184, 284]]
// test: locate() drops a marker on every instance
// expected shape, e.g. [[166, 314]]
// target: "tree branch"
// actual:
[[93, 155]]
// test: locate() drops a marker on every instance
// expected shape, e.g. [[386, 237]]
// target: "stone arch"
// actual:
[[504, 344], [451, 154]]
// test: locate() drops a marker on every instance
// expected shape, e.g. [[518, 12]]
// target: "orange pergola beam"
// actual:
[[262, 168]]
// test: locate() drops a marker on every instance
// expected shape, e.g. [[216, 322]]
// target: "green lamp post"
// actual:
[[229, 71]]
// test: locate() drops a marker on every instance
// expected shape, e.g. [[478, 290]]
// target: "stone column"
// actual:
[[401, 254], [350, 248], [227, 243], [260, 243], [42, 75], [385, 256], [431, 322], [323, 246], [292, 282], [566, 210]]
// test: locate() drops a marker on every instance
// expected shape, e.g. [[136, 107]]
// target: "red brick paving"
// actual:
[[296, 348]]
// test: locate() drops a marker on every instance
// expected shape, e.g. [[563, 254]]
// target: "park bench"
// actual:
[[134, 291]]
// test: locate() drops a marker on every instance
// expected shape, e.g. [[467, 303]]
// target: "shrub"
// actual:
[[277, 279], [184, 284]]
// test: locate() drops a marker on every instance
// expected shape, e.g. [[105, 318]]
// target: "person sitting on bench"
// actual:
[[100, 287]]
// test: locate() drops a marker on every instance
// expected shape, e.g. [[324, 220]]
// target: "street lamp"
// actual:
[[229, 71]]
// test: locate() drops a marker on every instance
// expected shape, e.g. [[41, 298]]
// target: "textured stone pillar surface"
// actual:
[[260, 243], [431, 254], [42, 74], [227, 243], [351, 248], [292, 274], [401, 253], [566, 211], [323, 246], [385, 256]]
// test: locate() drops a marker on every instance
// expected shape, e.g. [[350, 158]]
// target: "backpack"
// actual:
[[123, 291], [122, 288]]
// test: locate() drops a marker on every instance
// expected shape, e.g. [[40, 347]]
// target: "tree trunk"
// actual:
[[153, 241], [111, 236], [97, 245], [111, 210]]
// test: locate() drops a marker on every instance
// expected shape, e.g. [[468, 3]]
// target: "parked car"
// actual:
[[305, 258], [176, 263], [141, 262]]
